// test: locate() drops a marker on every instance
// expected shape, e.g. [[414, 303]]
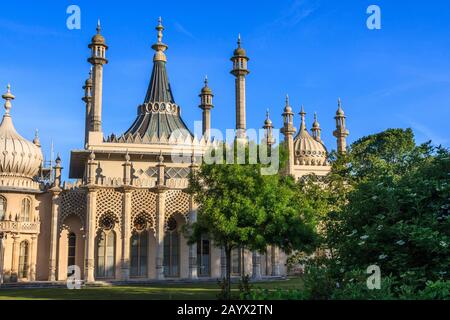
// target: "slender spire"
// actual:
[[8, 97], [303, 117], [239, 40], [316, 131], [99, 28], [268, 128], [341, 133]]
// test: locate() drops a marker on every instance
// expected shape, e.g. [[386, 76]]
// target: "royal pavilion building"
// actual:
[[121, 217]]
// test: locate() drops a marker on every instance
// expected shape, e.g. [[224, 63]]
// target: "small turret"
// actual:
[[206, 104], [341, 133]]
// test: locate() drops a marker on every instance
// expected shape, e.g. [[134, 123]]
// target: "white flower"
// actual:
[[364, 237], [443, 244], [342, 270], [400, 242], [382, 257], [361, 243], [374, 198], [380, 227]]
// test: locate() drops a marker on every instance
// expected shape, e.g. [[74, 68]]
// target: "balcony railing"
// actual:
[[19, 227]]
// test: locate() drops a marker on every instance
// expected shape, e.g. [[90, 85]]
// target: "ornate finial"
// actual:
[[99, 28], [91, 73], [92, 156], [239, 40], [287, 100], [160, 29], [206, 80], [302, 112], [340, 111], [36, 140], [161, 158], [127, 157], [58, 159], [159, 46], [8, 97], [267, 114]]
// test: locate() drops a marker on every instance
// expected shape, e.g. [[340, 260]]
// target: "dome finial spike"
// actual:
[[287, 99], [8, 96], [206, 80], [99, 27], [268, 114], [239, 40]]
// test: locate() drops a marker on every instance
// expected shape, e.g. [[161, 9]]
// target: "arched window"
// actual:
[[2, 208], [203, 257], [106, 254], [139, 257], [25, 210], [171, 249], [72, 249], [23, 260], [237, 261]]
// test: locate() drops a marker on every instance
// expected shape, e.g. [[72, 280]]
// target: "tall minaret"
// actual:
[[206, 104], [240, 71], [316, 131], [341, 132], [88, 100], [289, 130], [98, 59], [268, 131]]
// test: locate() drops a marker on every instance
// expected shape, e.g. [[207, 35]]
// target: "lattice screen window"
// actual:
[[109, 201], [177, 201], [73, 202], [143, 204]]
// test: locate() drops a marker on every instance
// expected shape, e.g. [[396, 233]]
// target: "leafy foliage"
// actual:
[[240, 207]]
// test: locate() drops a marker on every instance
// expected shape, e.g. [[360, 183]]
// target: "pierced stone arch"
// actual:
[[143, 206], [108, 221], [109, 202], [65, 226], [177, 202], [72, 202], [143, 221]]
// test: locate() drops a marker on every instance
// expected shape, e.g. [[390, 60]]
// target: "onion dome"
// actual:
[[20, 159], [206, 89], [308, 151], [98, 38], [239, 50], [340, 111]]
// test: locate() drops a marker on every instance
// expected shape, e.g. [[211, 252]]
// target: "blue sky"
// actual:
[[314, 50]]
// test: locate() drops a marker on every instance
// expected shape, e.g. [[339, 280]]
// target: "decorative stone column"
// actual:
[[54, 233], [160, 226], [160, 191], [193, 272], [15, 258], [90, 234], [33, 251], [126, 232], [275, 262], [256, 264]]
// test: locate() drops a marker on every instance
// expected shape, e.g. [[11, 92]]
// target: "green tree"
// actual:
[[393, 209], [240, 207]]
